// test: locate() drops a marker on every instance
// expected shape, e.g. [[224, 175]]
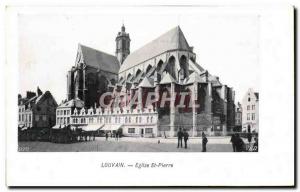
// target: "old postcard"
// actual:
[[112, 83]]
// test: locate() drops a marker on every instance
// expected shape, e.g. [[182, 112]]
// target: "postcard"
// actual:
[[135, 95]]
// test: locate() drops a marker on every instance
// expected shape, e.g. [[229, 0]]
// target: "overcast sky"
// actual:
[[226, 43]]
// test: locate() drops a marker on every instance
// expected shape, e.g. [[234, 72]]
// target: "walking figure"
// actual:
[[106, 136], [204, 142], [185, 138], [249, 137], [255, 145], [233, 142], [240, 145], [179, 136], [117, 136]]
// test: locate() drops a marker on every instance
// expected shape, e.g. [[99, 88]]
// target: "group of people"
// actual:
[[116, 135], [238, 145], [184, 135], [237, 142]]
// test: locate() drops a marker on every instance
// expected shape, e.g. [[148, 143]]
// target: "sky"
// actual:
[[226, 42]]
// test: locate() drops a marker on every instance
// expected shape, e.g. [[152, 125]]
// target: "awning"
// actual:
[[92, 127], [24, 128], [111, 127], [58, 126]]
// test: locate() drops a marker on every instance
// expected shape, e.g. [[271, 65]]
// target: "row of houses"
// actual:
[[40, 110], [247, 113]]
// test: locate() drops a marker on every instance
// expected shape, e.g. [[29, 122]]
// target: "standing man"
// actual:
[[255, 145], [233, 142], [249, 137], [204, 142], [240, 145], [185, 137], [179, 136], [117, 135], [106, 136]]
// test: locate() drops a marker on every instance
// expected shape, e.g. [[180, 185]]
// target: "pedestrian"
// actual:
[[106, 135], [233, 142], [185, 138], [204, 142], [240, 145], [249, 137], [255, 145], [117, 136], [179, 136]]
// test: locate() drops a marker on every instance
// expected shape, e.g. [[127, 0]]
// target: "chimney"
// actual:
[[39, 92], [30, 94]]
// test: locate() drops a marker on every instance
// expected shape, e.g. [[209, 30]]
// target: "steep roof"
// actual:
[[36, 99], [171, 40], [99, 59], [73, 103], [194, 77], [167, 79], [256, 95], [147, 82]]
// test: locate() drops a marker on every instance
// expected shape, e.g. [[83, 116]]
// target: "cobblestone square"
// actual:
[[128, 144]]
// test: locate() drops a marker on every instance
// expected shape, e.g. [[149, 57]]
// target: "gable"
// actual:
[[97, 59]]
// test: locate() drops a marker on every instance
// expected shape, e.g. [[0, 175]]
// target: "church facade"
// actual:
[[166, 67]]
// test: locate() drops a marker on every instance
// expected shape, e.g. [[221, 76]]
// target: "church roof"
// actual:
[[99, 59], [167, 79], [195, 66], [171, 40], [147, 82], [194, 78], [215, 80]]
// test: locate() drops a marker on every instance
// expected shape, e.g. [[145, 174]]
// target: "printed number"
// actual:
[[23, 149], [253, 148]]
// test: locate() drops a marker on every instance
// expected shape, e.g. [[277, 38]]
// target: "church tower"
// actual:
[[122, 45]]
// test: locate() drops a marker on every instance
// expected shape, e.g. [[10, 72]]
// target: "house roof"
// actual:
[[73, 103], [36, 99], [171, 40], [99, 59], [256, 95]]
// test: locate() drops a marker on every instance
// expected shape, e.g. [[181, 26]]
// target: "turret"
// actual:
[[122, 45]]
